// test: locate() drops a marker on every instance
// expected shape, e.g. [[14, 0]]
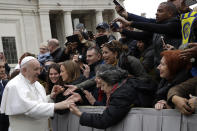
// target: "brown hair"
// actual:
[[115, 46], [73, 70], [174, 62], [24, 55], [49, 84]]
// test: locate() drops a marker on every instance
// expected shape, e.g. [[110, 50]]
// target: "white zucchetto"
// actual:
[[27, 59]]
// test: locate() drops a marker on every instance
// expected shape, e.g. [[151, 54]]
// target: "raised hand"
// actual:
[[63, 104], [75, 58], [123, 21], [89, 97], [70, 89], [86, 70], [75, 97], [57, 89], [168, 47], [190, 52], [75, 110], [121, 11], [192, 102]]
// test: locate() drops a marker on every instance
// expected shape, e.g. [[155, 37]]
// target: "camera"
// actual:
[[101, 40], [80, 58], [72, 39], [115, 26]]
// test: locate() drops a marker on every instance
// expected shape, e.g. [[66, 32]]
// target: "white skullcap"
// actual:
[[17, 67], [27, 59]]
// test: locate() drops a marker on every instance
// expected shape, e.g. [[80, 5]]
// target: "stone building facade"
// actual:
[[24, 24]]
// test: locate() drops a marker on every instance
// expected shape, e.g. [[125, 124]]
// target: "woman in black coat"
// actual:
[[121, 96]]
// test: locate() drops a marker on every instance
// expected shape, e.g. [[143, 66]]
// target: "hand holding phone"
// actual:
[[164, 44], [190, 2], [114, 26], [118, 4]]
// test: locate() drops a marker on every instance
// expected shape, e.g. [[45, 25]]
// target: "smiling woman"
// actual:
[[53, 77], [173, 71]]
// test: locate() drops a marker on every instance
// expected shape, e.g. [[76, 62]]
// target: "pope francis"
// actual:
[[25, 101]]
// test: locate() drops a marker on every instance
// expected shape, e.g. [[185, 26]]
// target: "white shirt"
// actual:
[[27, 105]]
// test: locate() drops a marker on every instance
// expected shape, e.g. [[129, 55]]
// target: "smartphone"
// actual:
[[117, 3], [163, 41], [71, 39], [190, 2]]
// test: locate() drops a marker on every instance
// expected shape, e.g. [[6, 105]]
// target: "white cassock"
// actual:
[[27, 105]]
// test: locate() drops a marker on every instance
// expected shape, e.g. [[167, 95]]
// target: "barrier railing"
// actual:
[[138, 119]]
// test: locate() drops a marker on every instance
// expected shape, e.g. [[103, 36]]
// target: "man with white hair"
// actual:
[[25, 101]]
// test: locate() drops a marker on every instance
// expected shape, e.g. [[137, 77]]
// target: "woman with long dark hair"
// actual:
[[53, 77]]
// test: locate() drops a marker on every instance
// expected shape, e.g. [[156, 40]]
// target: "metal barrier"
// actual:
[[138, 119]]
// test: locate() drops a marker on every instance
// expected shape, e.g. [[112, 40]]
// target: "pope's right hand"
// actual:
[[63, 104]]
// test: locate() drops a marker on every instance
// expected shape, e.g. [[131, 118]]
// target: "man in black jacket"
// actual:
[[93, 58], [4, 121], [180, 5], [168, 28], [56, 51]]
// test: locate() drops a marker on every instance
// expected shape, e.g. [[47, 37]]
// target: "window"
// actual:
[[9, 49]]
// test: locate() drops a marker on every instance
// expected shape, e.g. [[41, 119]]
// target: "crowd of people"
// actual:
[[151, 68]]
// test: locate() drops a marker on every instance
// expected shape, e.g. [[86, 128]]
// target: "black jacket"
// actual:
[[132, 46], [132, 65], [4, 82], [120, 102], [147, 58], [170, 29], [165, 85], [58, 55], [92, 68]]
